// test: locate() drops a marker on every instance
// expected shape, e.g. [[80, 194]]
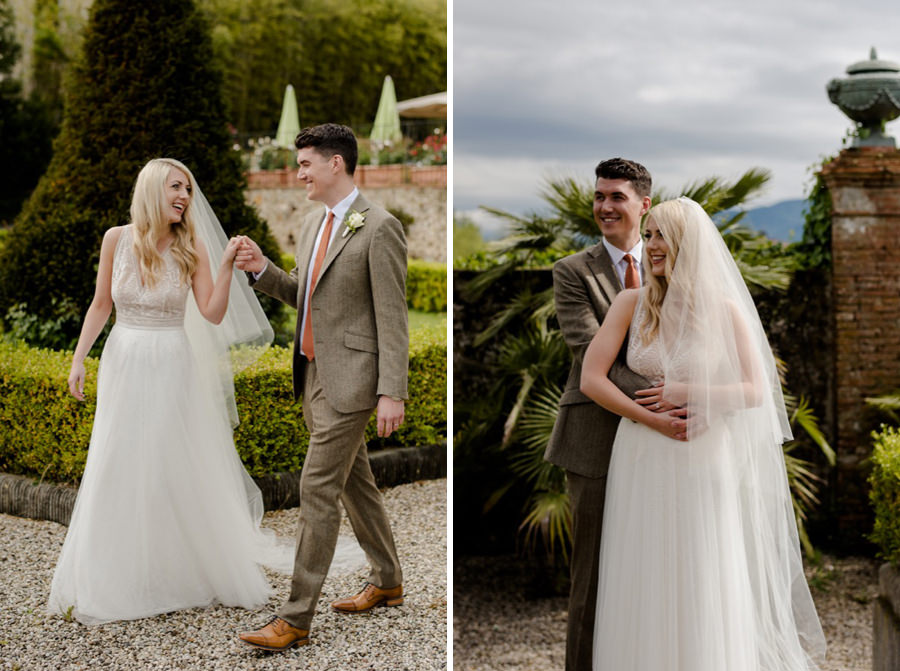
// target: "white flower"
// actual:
[[353, 221]]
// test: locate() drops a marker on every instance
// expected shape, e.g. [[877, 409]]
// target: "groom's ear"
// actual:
[[645, 207], [337, 164]]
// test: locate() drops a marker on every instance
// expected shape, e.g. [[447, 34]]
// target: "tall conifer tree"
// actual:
[[145, 86]]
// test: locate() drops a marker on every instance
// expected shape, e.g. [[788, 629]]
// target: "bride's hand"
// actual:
[[652, 398], [76, 380], [231, 250]]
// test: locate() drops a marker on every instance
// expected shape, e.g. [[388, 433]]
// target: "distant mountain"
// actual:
[[782, 221]]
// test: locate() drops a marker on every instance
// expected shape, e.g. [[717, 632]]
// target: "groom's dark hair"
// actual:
[[329, 139], [622, 168]]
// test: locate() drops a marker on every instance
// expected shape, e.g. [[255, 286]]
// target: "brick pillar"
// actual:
[[864, 183]]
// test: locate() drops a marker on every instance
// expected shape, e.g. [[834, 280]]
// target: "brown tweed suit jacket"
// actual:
[[359, 314], [584, 286]]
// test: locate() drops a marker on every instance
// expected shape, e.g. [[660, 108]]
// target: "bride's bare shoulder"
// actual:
[[627, 298]]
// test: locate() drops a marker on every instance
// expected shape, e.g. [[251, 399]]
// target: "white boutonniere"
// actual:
[[353, 222]]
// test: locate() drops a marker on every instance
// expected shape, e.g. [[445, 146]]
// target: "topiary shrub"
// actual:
[[426, 286], [144, 87], [26, 128], [885, 493], [45, 433]]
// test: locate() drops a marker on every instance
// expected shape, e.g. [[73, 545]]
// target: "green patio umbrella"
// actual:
[[387, 121], [289, 125]]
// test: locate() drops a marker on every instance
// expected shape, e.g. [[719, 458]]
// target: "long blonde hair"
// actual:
[[669, 216], [151, 223]]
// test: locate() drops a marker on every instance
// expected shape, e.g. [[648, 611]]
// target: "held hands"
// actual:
[[672, 419], [231, 250], [249, 256], [76, 380], [389, 415]]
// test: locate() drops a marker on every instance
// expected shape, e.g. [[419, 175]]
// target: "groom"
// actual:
[[351, 354], [584, 286]]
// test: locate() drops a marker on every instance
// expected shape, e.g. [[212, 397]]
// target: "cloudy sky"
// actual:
[[686, 87]]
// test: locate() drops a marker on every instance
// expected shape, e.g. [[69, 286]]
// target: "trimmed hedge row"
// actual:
[[426, 286], [885, 492], [45, 433], [426, 283]]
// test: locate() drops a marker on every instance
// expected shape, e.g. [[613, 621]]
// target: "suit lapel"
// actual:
[[600, 264], [360, 204]]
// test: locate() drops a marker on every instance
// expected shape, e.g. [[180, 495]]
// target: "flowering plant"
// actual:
[[353, 221], [432, 151]]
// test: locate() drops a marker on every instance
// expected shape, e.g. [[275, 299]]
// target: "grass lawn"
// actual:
[[428, 321]]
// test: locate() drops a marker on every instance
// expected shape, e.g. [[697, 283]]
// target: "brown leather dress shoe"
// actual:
[[370, 597], [276, 636]]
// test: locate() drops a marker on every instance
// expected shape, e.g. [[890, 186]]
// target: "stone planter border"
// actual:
[[22, 497], [367, 176]]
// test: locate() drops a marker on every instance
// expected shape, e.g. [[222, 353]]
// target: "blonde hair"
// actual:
[[149, 208], [669, 216]]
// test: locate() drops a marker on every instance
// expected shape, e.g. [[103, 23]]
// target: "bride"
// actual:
[[166, 516], [700, 566]]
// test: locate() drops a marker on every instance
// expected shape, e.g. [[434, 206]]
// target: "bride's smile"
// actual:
[[657, 248]]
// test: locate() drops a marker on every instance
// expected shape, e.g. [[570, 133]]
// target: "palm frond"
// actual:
[[533, 435], [548, 519], [804, 416], [475, 288], [572, 200], [521, 303], [889, 404]]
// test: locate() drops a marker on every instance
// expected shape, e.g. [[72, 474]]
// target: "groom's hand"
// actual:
[[249, 257], [389, 415]]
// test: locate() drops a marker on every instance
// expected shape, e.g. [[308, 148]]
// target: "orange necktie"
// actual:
[[632, 276], [307, 340]]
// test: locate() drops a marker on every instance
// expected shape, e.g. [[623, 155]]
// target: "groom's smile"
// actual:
[[317, 172], [618, 210]]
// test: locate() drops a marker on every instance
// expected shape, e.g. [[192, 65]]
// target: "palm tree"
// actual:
[[531, 359]]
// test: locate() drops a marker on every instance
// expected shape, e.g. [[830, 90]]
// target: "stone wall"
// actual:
[[284, 208], [886, 635]]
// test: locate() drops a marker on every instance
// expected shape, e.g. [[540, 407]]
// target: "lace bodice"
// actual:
[[137, 305], [643, 359]]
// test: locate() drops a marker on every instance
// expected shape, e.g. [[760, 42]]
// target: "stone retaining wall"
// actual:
[[886, 641], [285, 207]]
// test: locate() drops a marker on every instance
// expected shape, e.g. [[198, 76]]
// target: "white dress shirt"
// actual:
[[619, 262], [340, 211]]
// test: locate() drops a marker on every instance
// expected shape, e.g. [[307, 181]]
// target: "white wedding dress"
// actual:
[[166, 516], [677, 591]]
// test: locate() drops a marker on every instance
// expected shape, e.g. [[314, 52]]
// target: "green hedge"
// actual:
[[45, 433], [426, 283], [426, 286], [885, 493]]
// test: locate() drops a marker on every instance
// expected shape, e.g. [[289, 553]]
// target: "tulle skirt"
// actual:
[[166, 516], [676, 589]]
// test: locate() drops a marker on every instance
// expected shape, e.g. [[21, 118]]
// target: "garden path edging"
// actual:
[[23, 497]]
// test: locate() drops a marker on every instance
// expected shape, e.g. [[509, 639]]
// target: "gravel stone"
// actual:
[[499, 625], [410, 637]]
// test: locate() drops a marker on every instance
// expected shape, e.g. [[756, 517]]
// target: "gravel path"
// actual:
[[497, 626], [411, 637]]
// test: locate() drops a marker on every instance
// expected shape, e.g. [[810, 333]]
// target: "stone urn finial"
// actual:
[[870, 96]]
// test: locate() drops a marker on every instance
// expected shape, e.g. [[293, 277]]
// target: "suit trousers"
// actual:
[[587, 496], [336, 468]]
